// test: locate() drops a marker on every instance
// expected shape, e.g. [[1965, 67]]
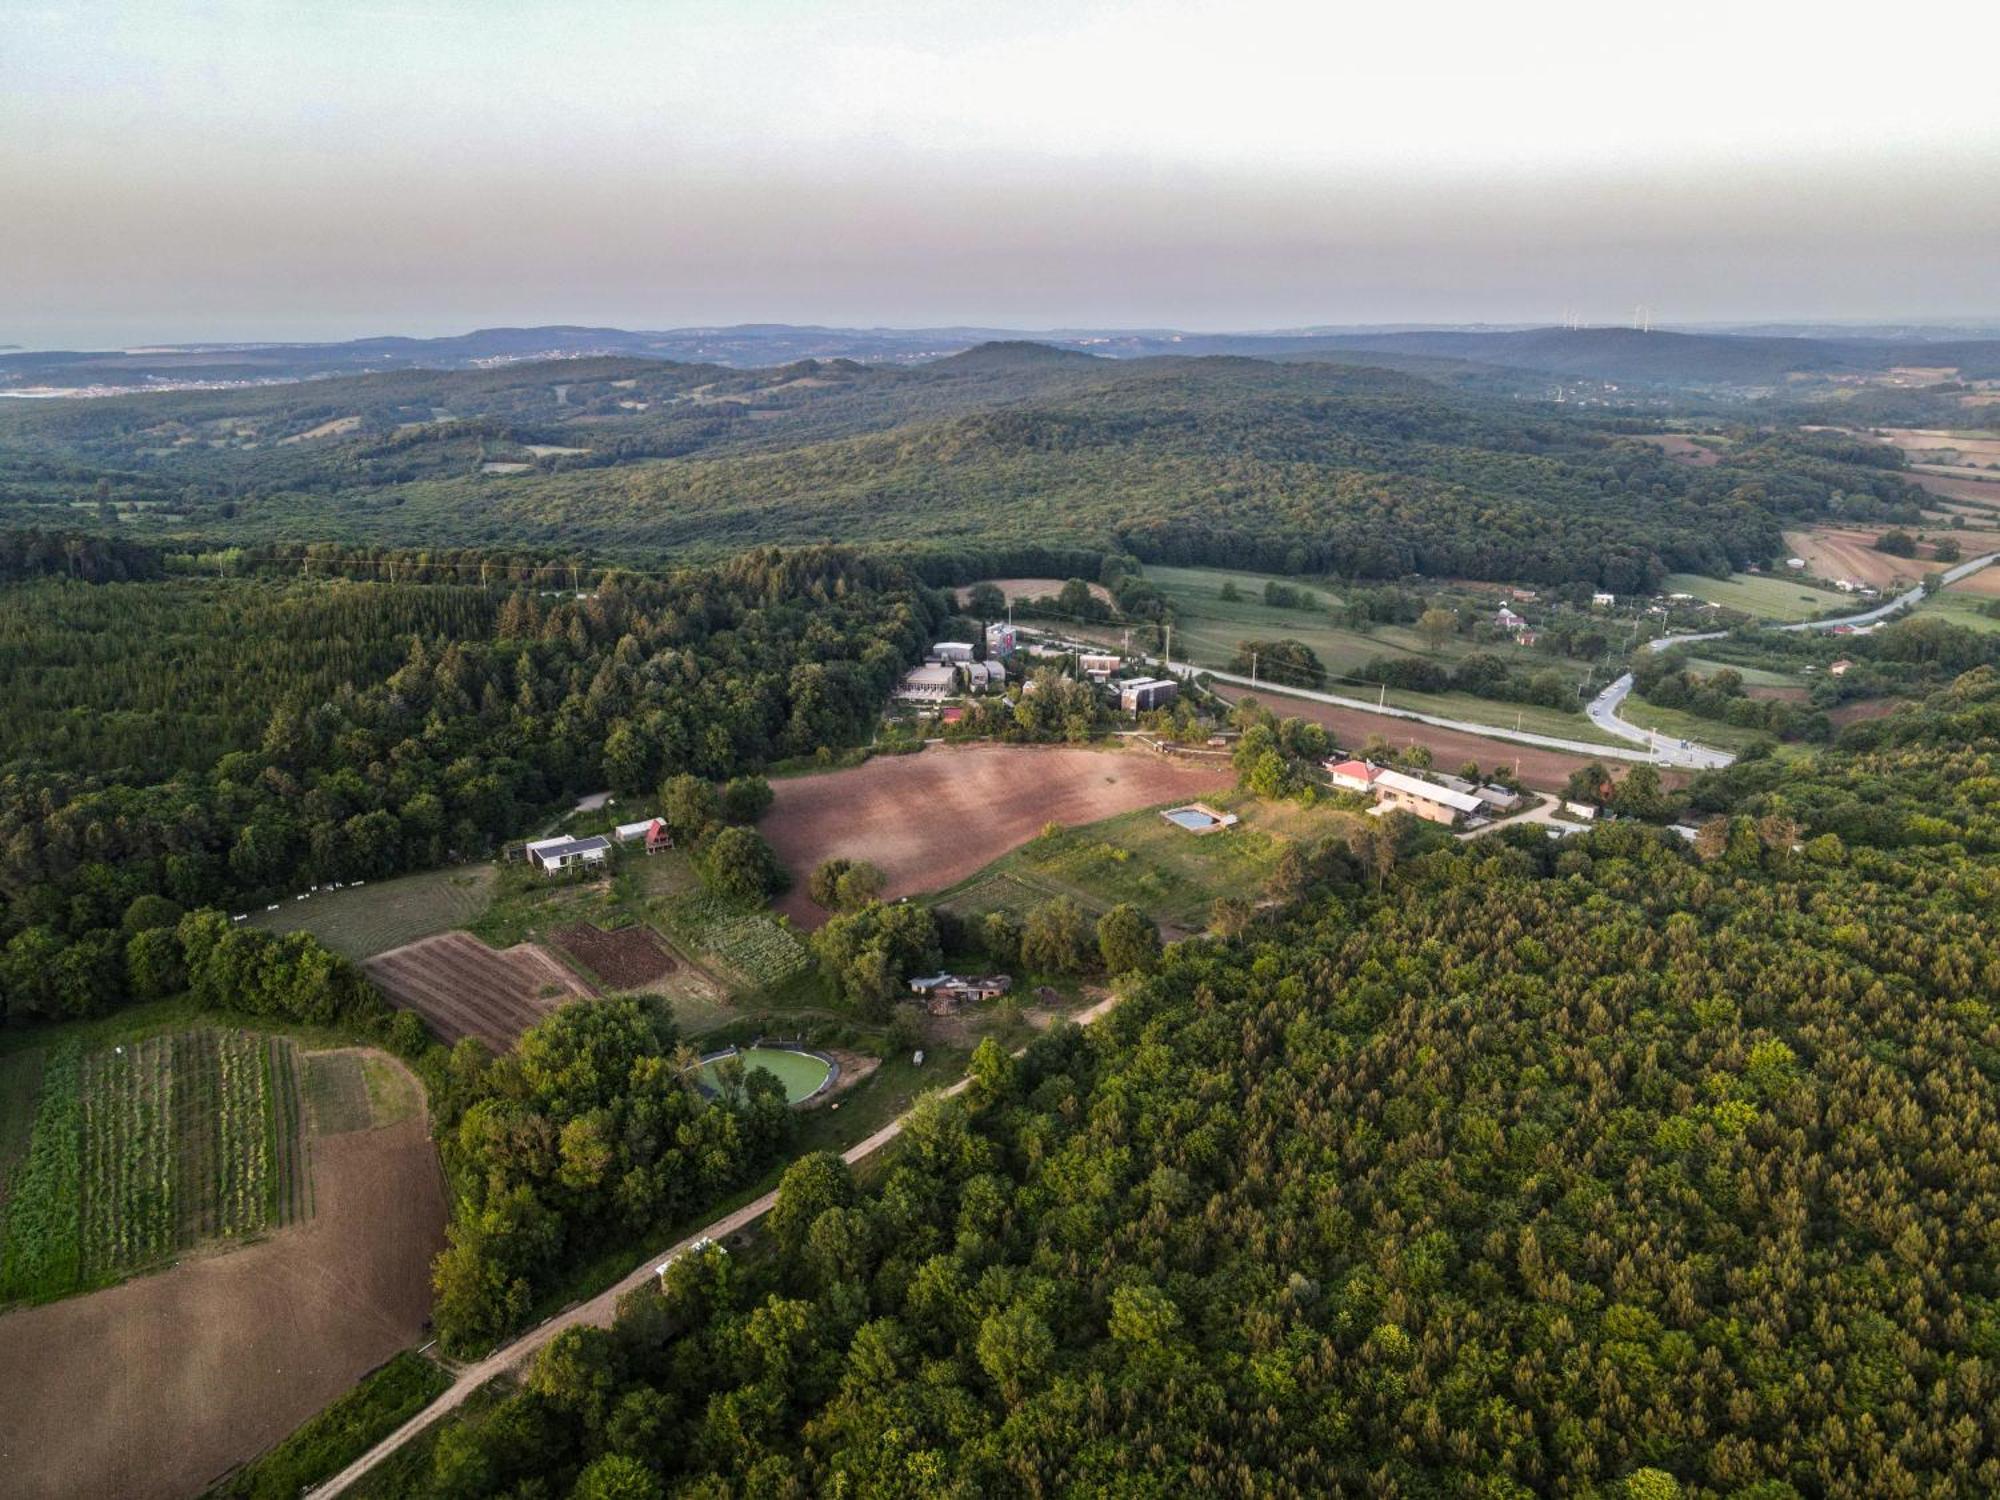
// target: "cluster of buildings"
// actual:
[[949, 669], [1450, 800], [564, 854]]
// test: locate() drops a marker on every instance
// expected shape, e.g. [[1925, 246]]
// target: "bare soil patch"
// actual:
[[1865, 708], [1985, 584], [1034, 588], [1983, 493], [155, 1388], [463, 988], [1849, 552], [1682, 448], [1545, 770], [1777, 693], [622, 960], [930, 820]]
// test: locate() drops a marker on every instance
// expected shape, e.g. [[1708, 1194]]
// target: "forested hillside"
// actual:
[[1284, 467], [1612, 1167], [467, 715]]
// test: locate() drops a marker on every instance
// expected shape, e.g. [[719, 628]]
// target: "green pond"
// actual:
[[801, 1073]]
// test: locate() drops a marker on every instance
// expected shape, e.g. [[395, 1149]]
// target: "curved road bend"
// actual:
[[1666, 754], [600, 1310], [1603, 709]]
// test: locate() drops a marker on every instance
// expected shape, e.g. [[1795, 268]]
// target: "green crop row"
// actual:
[[43, 1250]]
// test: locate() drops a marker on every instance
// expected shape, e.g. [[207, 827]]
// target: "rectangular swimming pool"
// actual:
[[1192, 819]]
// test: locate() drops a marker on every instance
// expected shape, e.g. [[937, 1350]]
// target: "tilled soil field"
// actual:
[[930, 820], [621, 960], [463, 988], [154, 1389]]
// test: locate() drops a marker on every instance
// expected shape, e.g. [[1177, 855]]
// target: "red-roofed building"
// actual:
[[1351, 775]]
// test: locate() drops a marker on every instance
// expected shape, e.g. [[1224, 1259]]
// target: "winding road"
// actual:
[[601, 1309], [1603, 709]]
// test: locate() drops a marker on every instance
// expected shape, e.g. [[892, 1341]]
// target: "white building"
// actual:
[[552, 856], [1098, 666], [929, 682], [952, 651]]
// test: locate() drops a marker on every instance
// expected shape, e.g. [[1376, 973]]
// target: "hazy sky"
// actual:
[[306, 169]]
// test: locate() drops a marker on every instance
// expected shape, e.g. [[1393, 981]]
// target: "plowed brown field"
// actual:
[[463, 988], [153, 1389], [624, 959], [932, 819]]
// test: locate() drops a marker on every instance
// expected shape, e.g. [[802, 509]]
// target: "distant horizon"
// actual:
[[1916, 327]]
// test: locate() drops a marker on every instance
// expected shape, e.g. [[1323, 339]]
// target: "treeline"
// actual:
[[1608, 1166], [1665, 679], [1481, 674], [712, 672], [31, 552]]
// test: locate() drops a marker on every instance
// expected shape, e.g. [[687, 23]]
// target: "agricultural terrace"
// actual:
[[140, 1150], [463, 988], [930, 820], [1174, 876], [192, 1370]]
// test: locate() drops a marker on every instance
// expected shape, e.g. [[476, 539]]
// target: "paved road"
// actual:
[[1603, 709], [600, 1310], [1368, 705]]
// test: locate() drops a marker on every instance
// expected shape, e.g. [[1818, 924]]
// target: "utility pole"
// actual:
[[1253, 669], [1170, 650], [1382, 697]]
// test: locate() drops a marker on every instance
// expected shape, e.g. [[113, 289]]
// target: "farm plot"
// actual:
[[463, 988], [930, 820], [747, 940], [623, 959], [152, 1389], [360, 921], [145, 1149]]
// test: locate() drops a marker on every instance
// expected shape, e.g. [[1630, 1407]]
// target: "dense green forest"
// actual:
[[1288, 467], [517, 702], [152, 678], [1609, 1166]]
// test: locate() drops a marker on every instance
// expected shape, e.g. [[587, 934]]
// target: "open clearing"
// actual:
[[621, 960], [1034, 588], [153, 1389], [1851, 553], [1682, 448], [1767, 596], [463, 988], [360, 921], [1170, 874], [1353, 728], [932, 819]]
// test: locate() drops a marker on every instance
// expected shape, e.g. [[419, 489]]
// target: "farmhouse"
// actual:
[[1146, 692], [1506, 619], [1397, 791], [1351, 775], [941, 994], [649, 831], [1603, 600], [554, 855], [1841, 668]]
